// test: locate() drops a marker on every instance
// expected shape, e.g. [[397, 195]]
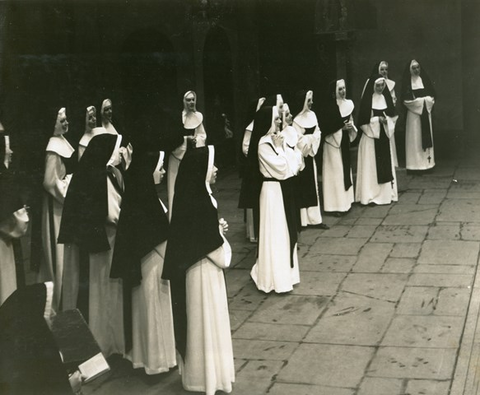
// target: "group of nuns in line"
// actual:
[[280, 182], [150, 281]]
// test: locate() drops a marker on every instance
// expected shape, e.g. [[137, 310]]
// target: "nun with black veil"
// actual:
[[30, 361], [194, 136], [276, 268], [306, 123], [338, 132], [382, 69], [376, 179], [418, 97], [196, 254], [90, 217], [138, 260]]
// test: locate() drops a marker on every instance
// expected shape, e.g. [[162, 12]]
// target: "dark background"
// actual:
[[145, 54]]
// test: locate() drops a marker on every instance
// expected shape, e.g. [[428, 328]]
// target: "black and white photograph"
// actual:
[[247, 197]]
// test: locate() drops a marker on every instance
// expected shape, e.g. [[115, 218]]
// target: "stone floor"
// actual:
[[388, 302]]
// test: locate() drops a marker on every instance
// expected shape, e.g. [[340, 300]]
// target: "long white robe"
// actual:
[[208, 365], [272, 270], [249, 223], [308, 144], [417, 157], [335, 197], [368, 190], [11, 228], [153, 340], [55, 182]]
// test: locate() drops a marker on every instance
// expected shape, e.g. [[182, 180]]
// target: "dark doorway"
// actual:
[[148, 76], [219, 105]]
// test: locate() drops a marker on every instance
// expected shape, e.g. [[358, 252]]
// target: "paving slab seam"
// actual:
[[467, 340]]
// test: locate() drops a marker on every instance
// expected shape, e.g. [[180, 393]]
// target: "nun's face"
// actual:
[[309, 103], [278, 122], [415, 69], [63, 125], [108, 112], [280, 106], [190, 101], [342, 91], [288, 118], [379, 86], [92, 120], [383, 70]]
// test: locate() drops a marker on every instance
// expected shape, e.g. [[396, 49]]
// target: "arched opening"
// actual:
[[219, 102], [148, 76]]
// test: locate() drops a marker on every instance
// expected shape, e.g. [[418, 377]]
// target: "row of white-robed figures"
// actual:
[[276, 183], [108, 240]]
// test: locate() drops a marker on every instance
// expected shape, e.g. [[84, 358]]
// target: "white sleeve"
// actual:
[[53, 182]]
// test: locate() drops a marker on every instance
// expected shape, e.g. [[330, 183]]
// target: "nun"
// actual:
[[247, 175], [197, 254], [338, 131], [13, 222], [91, 130], [194, 135], [92, 209], [138, 260], [382, 69], [376, 179], [306, 123], [418, 97], [56, 180], [276, 268], [126, 150]]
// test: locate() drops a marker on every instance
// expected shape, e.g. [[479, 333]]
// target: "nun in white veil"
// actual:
[[194, 134]]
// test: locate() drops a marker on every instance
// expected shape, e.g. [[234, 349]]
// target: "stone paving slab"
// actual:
[[471, 232], [418, 301], [328, 365], [387, 287], [449, 252], [411, 214], [260, 331], [400, 234], [428, 387], [318, 283], [307, 389], [372, 257], [398, 265], [263, 349], [338, 246], [327, 263], [380, 386], [256, 376], [460, 210], [418, 363], [445, 231], [433, 196], [287, 309], [430, 183], [444, 269], [424, 331], [406, 250], [440, 280], [371, 319]]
